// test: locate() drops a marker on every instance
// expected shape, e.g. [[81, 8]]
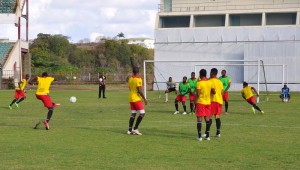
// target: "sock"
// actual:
[[199, 126], [176, 106], [218, 124], [13, 102], [166, 94], [207, 128], [19, 101], [131, 121], [256, 107], [138, 121], [184, 108], [226, 106], [192, 107], [210, 120], [49, 115]]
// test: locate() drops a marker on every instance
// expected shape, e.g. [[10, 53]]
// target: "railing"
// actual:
[[225, 5]]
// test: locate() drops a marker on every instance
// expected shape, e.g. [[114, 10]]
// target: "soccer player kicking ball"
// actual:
[[135, 99], [184, 89], [248, 96], [216, 100], [205, 89], [19, 92], [192, 82], [42, 93]]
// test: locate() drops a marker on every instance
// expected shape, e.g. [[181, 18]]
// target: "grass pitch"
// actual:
[[91, 134]]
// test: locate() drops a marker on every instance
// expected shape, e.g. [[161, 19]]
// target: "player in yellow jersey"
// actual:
[[216, 100], [247, 94], [19, 92], [42, 93], [205, 89], [135, 99]]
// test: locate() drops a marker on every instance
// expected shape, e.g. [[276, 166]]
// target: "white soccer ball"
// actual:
[[73, 99]]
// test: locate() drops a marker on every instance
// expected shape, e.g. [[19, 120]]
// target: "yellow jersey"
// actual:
[[218, 88], [205, 86], [44, 85], [247, 91], [22, 85], [134, 83]]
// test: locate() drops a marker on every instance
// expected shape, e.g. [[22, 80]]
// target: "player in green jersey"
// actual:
[[192, 95], [184, 89], [226, 80]]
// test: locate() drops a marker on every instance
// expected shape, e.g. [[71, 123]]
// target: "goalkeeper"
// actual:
[[184, 89], [171, 86]]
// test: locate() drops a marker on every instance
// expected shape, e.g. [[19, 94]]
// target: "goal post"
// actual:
[[252, 71]]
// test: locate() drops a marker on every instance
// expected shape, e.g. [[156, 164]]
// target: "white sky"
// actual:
[[81, 19]]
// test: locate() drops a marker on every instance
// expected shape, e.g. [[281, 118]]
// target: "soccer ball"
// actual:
[[73, 99]]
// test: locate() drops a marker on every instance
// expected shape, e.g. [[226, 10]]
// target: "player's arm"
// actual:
[[243, 95], [252, 88], [229, 83], [140, 91], [33, 80], [213, 91]]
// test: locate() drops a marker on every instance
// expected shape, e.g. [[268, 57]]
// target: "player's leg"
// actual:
[[100, 88], [225, 99], [103, 88], [183, 100], [207, 110], [131, 118], [166, 96], [20, 100], [218, 125], [14, 100], [176, 104], [199, 127], [257, 108]]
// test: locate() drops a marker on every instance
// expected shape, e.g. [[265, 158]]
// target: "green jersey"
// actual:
[[225, 81], [184, 88], [192, 84]]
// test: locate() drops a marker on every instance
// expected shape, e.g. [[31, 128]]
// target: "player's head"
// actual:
[[223, 73], [184, 79], [202, 73], [213, 72], [44, 74], [170, 79], [245, 84], [27, 76], [285, 86], [193, 75], [135, 70]]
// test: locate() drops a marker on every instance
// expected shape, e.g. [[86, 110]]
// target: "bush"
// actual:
[[11, 83]]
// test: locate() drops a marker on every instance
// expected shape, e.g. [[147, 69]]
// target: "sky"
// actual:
[[80, 19]]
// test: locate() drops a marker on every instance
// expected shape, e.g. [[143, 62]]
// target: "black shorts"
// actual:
[[172, 89]]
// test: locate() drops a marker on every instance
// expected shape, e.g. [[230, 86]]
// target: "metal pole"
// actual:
[[258, 77], [145, 88], [283, 74]]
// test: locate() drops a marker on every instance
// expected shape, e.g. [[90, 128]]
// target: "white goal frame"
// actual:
[[257, 63]]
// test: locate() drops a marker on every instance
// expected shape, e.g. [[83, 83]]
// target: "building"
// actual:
[[238, 31], [15, 60], [145, 42]]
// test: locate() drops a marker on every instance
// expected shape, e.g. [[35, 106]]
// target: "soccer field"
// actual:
[[91, 134]]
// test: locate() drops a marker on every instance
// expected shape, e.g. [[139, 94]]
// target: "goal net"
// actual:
[[254, 72]]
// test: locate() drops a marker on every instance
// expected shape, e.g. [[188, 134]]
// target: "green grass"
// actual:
[[90, 134]]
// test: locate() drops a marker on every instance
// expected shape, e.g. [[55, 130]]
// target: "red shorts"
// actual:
[[46, 100], [216, 108], [251, 100], [19, 94], [225, 96], [137, 106], [203, 110], [181, 98], [192, 97]]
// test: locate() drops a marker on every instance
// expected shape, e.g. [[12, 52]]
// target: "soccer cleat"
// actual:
[[9, 107], [17, 105], [207, 138], [218, 135], [176, 112], [226, 113], [129, 133], [136, 132], [203, 135], [184, 113], [166, 101], [262, 112], [253, 110], [46, 124], [199, 139]]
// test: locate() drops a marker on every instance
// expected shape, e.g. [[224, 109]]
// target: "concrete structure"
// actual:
[[214, 30], [14, 54], [145, 42]]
